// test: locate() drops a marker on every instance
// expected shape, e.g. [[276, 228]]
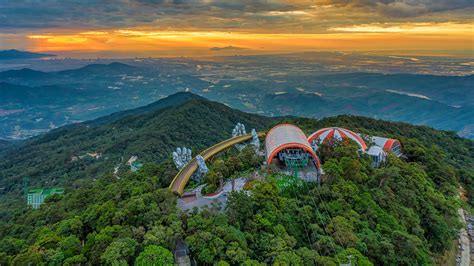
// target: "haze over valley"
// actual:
[[40, 95]]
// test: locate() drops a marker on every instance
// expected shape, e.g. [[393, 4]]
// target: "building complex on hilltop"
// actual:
[[287, 146], [287, 150]]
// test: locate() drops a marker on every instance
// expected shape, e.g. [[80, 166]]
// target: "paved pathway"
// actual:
[[465, 243], [221, 200]]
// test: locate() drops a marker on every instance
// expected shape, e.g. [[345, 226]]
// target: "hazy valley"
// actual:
[[312, 85]]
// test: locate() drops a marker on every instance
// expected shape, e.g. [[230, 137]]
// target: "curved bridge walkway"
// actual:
[[183, 176]]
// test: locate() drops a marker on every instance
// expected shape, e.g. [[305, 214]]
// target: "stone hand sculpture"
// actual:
[[255, 140], [202, 168], [181, 157], [239, 130]]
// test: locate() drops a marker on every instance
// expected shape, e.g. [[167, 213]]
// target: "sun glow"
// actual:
[[357, 37]]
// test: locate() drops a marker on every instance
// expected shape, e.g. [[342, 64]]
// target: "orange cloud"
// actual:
[[398, 36]]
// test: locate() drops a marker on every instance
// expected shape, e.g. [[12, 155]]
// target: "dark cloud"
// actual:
[[415, 8], [26, 15], [120, 13], [401, 9], [405, 8], [227, 48]]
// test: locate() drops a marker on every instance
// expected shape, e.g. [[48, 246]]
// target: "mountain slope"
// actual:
[[451, 90], [381, 104], [99, 69], [29, 75], [172, 100], [150, 132], [23, 74], [76, 95], [53, 94], [403, 213], [15, 54]]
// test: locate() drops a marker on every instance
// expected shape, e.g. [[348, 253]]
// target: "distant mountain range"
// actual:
[[15, 54], [93, 69], [382, 104], [450, 90], [53, 94], [33, 102]]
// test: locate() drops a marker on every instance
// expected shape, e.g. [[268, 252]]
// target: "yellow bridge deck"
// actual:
[[183, 176]]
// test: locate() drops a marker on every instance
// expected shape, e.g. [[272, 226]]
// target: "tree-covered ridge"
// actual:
[[150, 133], [401, 214]]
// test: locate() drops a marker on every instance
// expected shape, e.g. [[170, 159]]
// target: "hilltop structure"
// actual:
[[377, 155], [388, 145], [288, 149], [377, 151], [36, 197], [286, 146], [134, 164], [331, 134]]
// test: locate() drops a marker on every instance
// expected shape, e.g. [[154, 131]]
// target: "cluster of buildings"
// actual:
[[286, 146]]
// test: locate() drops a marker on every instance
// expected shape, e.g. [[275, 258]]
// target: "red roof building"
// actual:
[[388, 145], [328, 135], [288, 141]]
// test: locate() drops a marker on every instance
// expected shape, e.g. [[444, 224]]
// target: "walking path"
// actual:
[[220, 200], [465, 258]]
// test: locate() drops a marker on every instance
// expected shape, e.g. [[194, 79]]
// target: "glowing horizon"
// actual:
[[224, 27]]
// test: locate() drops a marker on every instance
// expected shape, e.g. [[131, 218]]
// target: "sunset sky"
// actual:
[[127, 28]]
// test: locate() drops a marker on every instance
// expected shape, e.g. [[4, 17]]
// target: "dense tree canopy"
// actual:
[[403, 213]]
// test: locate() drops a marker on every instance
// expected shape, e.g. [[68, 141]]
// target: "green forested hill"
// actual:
[[401, 214], [150, 132], [15, 54]]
